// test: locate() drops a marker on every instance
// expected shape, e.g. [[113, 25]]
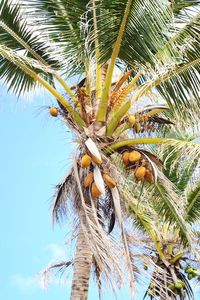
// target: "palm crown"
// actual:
[[115, 174]]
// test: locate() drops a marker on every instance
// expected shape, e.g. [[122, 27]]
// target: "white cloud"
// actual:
[[58, 252], [30, 284], [25, 284]]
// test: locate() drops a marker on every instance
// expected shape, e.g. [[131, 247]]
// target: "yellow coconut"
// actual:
[[85, 161], [88, 179], [95, 191], [131, 119], [134, 156], [140, 173], [53, 111], [96, 160], [148, 176], [109, 181], [125, 157], [138, 127]]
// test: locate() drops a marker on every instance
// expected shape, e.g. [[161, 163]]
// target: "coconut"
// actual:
[[190, 276], [53, 111], [134, 156], [95, 191], [189, 270], [109, 181], [171, 286], [131, 119], [140, 173], [96, 160], [152, 285], [138, 127], [85, 161], [125, 157], [179, 285], [148, 176], [195, 272], [88, 179]]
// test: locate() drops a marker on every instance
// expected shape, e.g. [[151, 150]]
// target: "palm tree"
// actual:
[[155, 46]]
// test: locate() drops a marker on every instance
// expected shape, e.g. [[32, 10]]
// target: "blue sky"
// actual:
[[35, 154]]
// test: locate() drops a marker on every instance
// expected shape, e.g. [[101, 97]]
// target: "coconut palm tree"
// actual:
[[154, 48]]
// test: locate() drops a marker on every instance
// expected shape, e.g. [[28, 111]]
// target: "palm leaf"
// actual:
[[62, 21], [145, 26], [192, 212], [13, 31], [166, 205], [179, 5]]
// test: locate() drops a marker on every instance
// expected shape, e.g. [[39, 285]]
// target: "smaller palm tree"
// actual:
[[177, 263]]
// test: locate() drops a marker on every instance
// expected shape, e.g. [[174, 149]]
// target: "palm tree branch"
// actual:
[[118, 115], [22, 63], [101, 114], [192, 212], [188, 34], [40, 60], [166, 76], [97, 55]]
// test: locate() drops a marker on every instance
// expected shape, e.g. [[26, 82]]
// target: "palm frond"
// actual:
[[176, 167], [169, 204], [183, 84], [192, 211], [62, 21], [145, 26], [179, 150], [63, 193], [178, 5], [14, 33]]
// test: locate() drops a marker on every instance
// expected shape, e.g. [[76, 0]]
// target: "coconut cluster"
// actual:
[[134, 123], [177, 286], [87, 161], [191, 272], [136, 162]]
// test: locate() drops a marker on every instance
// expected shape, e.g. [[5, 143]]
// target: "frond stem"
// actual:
[[101, 114]]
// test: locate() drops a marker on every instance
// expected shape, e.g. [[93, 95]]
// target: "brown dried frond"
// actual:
[[63, 190]]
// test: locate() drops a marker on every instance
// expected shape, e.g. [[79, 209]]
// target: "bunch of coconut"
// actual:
[[97, 177], [191, 272], [177, 286], [134, 122], [136, 162]]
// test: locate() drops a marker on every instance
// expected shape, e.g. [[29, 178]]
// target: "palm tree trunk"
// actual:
[[82, 268]]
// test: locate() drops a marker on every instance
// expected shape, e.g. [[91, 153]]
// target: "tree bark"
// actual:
[[82, 268]]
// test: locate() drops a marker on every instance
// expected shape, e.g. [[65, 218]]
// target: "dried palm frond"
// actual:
[[63, 193], [59, 267]]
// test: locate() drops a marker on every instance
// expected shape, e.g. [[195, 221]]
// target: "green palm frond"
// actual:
[[179, 177], [176, 167], [144, 32], [183, 84], [179, 5], [192, 212], [166, 206], [181, 150], [18, 36], [182, 41], [62, 21]]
